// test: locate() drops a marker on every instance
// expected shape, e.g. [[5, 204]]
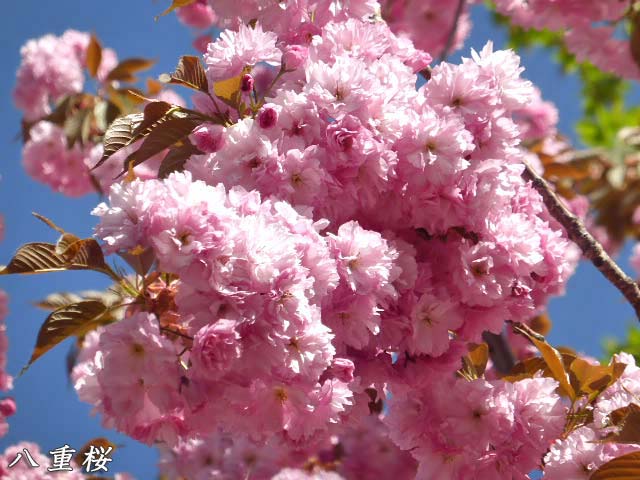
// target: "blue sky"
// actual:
[[49, 412]]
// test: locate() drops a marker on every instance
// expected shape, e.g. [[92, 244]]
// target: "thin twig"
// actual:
[[500, 352], [590, 247], [453, 31]]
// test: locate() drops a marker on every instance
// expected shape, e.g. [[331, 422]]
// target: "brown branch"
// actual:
[[500, 352], [453, 31], [590, 247]]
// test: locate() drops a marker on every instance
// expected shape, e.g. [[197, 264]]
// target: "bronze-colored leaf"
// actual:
[[154, 87], [172, 130], [119, 135], [229, 89], [97, 443], [628, 420], [35, 257], [626, 467], [551, 356], [126, 99], [189, 73], [591, 380], [541, 324], [57, 300], [48, 222], [175, 160], [41, 257], [175, 4], [526, 369], [94, 56], [71, 320], [475, 362], [126, 69], [154, 113], [63, 244]]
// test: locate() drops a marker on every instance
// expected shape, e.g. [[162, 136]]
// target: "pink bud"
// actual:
[[267, 117], [8, 407], [247, 83], [294, 56]]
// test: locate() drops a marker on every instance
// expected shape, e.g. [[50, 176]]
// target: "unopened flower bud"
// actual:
[[267, 117], [8, 407], [247, 83]]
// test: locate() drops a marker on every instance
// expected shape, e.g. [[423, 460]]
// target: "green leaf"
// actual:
[[76, 319], [626, 467], [94, 56], [189, 73]]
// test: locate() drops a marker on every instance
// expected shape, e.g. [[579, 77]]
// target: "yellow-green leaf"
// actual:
[[626, 467]]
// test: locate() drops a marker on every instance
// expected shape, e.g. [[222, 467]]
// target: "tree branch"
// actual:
[[500, 352], [453, 31], [590, 247]]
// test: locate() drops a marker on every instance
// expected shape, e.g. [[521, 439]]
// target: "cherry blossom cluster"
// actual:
[[364, 452], [349, 220], [591, 31], [408, 19], [252, 277], [326, 258], [7, 404], [52, 68]]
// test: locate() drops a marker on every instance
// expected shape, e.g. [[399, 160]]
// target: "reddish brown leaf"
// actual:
[[175, 160], [166, 134], [626, 467], [126, 69], [70, 320], [119, 135], [189, 73], [628, 419], [94, 56]]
